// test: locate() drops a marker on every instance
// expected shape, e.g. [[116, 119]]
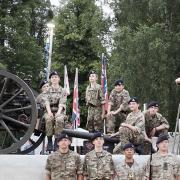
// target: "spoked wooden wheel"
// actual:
[[18, 113]]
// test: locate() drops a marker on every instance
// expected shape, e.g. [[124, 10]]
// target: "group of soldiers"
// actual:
[[123, 119], [98, 164]]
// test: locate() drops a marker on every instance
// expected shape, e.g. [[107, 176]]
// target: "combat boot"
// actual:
[[55, 144], [50, 144]]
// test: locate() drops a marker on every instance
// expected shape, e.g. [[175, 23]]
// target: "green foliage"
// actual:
[[146, 53], [23, 26], [79, 32]]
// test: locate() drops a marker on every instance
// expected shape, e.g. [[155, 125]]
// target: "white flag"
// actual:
[[66, 81]]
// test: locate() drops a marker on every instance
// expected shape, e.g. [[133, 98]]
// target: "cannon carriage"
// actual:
[[18, 115]]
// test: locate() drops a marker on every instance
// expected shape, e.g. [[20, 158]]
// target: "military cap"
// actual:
[[134, 99], [161, 138], [153, 104], [53, 73], [92, 72], [96, 135], [128, 145], [42, 83], [118, 82], [62, 136]]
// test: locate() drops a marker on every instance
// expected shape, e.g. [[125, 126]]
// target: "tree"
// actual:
[[22, 32], [79, 33], [146, 51]]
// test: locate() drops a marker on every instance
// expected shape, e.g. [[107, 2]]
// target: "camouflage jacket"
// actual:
[[98, 165], [124, 172], [94, 95], [118, 98], [164, 167], [56, 97], [136, 119], [40, 100], [152, 122], [63, 166]]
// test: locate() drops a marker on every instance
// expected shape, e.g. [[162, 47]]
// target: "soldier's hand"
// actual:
[[102, 115], [148, 139], [152, 133], [177, 81], [50, 114]]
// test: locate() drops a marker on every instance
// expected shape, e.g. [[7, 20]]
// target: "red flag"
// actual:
[[76, 112], [104, 81]]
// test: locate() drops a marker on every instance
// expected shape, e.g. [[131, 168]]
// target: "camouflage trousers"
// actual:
[[94, 119], [113, 122], [126, 135], [54, 125]]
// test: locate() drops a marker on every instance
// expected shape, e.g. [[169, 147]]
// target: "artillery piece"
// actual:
[[18, 115]]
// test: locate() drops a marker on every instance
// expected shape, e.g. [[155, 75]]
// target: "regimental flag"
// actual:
[[104, 80], [66, 81], [76, 112]]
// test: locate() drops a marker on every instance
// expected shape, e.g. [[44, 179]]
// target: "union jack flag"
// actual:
[[76, 111], [104, 81]]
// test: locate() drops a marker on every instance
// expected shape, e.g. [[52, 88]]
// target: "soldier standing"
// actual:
[[155, 123], [117, 107], [56, 109], [129, 169], [95, 102], [64, 164], [98, 163], [163, 165], [131, 131]]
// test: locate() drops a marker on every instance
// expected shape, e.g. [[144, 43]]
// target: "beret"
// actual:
[[42, 83], [161, 138], [153, 104], [53, 73], [96, 135], [128, 145], [134, 99], [118, 82], [62, 136]]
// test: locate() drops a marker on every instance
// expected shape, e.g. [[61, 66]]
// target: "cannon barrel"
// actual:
[[87, 135]]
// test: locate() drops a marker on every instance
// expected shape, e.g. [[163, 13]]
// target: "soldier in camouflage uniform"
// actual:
[[155, 123], [163, 165], [98, 163], [95, 102], [44, 86], [55, 116], [129, 169], [117, 107], [132, 130], [64, 164]]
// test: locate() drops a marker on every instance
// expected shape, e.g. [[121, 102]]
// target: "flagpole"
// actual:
[[75, 113]]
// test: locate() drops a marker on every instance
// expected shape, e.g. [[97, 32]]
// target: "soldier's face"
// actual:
[[45, 87], [98, 142], [153, 110], [55, 79], [134, 106], [64, 143], [119, 88], [93, 78], [129, 152], [163, 146]]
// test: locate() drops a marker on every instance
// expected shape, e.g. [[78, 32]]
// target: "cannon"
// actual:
[[18, 115]]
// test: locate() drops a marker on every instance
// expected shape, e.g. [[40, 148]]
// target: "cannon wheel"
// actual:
[[18, 113]]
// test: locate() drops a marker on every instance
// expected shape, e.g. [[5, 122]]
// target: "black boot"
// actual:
[[55, 144], [50, 144]]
